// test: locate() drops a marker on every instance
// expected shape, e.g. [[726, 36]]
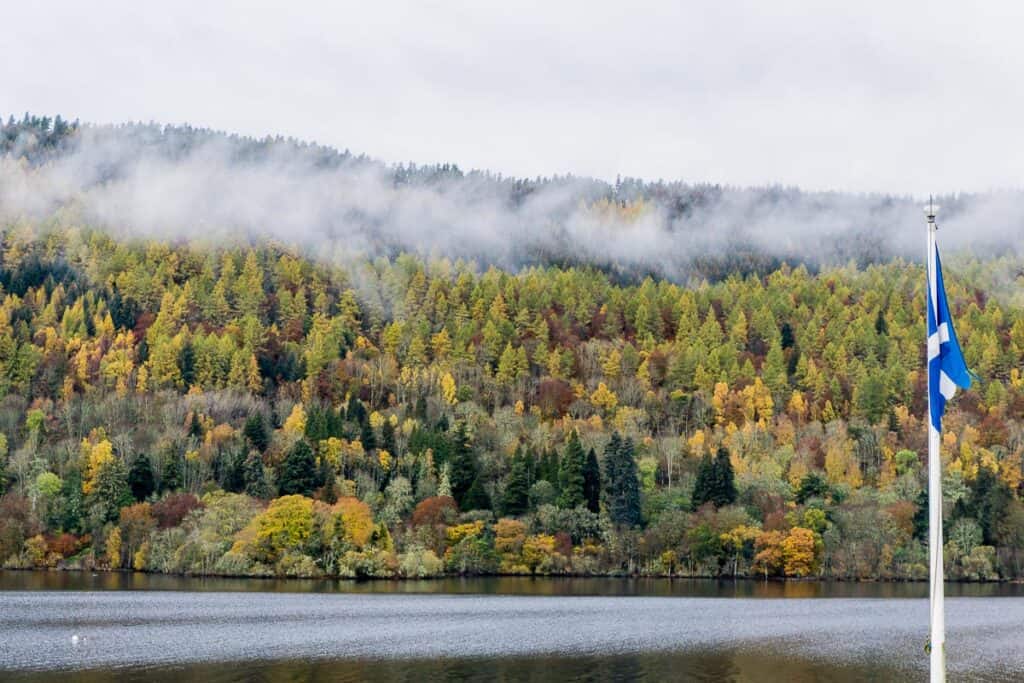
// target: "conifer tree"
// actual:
[[515, 499], [622, 487], [140, 478], [256, 432], [592, 482], [171, 479], [703, 488], [463, 470], [253, 476], [724, 491], [298, 471], [570, 474]]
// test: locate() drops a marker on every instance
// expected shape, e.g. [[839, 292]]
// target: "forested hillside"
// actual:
[[258, 408]]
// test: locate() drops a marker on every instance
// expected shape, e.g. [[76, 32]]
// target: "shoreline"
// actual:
[[750, 580]]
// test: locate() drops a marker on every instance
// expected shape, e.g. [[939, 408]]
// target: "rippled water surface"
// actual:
[[222, 633]]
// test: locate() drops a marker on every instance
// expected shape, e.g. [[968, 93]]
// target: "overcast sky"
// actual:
[[914, 98]]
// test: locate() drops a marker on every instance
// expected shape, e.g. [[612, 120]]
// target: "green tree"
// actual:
[[592, 482], [515, 499], [571, 481], [724, 480], [255, 432], [463, 470], [298, 471], [140, 477], [622, 486], [254, 476]]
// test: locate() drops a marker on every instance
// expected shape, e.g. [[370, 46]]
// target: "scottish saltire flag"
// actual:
[[946, 367]]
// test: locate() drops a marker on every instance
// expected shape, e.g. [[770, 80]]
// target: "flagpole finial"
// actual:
[[931, 210]]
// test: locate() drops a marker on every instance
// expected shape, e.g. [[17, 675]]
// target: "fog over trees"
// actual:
[[252, 357]]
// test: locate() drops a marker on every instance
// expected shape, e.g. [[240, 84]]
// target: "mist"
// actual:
[[175, 183]]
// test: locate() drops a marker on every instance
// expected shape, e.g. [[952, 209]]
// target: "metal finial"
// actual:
[[931, 210]]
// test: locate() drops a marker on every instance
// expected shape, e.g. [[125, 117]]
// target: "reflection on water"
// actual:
[[174, 629], [685, 667], [503, 585]]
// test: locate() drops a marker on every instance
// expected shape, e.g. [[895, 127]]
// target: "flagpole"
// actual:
[[936, 593]]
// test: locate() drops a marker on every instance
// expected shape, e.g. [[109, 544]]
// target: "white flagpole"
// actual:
[[936, 591]]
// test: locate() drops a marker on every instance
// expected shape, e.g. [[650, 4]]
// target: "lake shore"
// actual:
[[70, 579]]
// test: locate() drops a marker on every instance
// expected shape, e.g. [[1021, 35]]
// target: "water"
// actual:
[[539, 630]]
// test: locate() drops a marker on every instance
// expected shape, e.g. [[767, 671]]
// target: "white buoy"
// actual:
[[74, 639]]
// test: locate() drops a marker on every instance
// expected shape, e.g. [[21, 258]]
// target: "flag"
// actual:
[[946, 367]]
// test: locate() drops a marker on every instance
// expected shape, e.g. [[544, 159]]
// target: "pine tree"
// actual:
[[256, 432], [387, 438], [298, 471], [368, 437], [515, 499], [724, 490], [570, 474], [592, 482], [622, 487], [171, 480], [703, 488], [111, 492], [254, 477], [463, 471], [476, 497], [140, 478]]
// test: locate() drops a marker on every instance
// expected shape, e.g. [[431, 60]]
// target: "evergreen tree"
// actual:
[[195, 427], [298, 471], [368, 437], [592, 482], [354, 411], [515, 499], [111, 492], [255, 431], [703, 487], [813, 485], [254, 477], [387, 438], [622, 487], [476, 497], [463, 471], [724, 490], [570, 474], [72, 502], [233, 477], [317, 427], [172, 475], [140, 477]]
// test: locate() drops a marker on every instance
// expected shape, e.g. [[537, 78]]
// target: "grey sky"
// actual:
[[863, 96]]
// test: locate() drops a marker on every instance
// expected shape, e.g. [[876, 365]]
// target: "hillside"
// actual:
[[175, 404]]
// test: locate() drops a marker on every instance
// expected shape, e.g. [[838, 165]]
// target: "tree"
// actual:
[[254, 476], [724, 490], [463, 470], [476, 497], [570, 474], [140, 477], [704, 486], [592, 482], [298, 471], [368, 437], [515, 499], [255, 432], [800, 552], [622, 487], [110, 491], [812, 485], [287, 524]]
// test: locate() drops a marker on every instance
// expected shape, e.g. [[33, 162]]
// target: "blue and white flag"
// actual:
[[946, 367]]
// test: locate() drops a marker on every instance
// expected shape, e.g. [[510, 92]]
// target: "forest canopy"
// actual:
[[172, 403]]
